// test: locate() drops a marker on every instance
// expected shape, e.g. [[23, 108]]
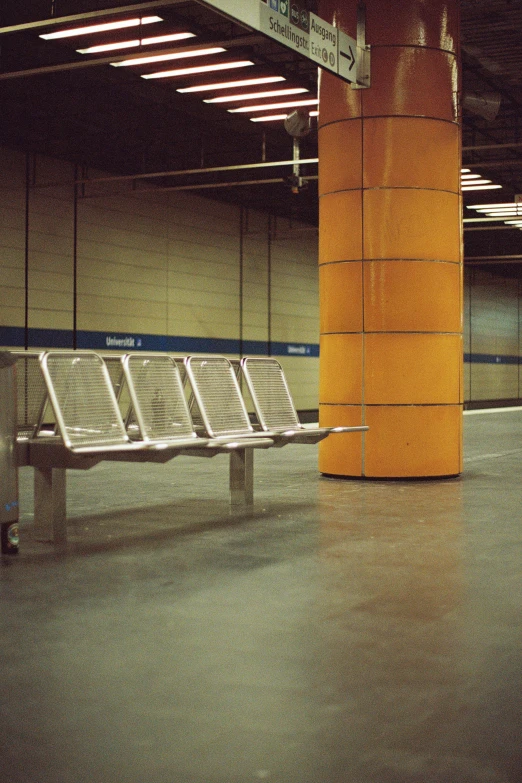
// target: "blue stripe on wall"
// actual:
[[103, 341], [14, 336], [488, 358]]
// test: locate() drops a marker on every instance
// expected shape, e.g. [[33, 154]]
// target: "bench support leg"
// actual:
[[50, 512], [242, 477]]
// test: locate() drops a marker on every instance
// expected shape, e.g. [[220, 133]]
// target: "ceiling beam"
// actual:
[[59, 20]]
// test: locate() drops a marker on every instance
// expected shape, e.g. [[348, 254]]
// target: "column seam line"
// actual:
[[392, 187], [391, 261], [392, 117]]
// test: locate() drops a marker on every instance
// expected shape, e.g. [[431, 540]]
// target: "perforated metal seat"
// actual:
[[158, 401], [219, 400], [161, 409], [274, 406], [84, 403]]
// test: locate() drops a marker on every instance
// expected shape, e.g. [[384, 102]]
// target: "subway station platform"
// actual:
[[343, 632]]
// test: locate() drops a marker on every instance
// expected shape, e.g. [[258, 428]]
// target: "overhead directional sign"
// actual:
[[347, 57], [290, 23], [324, 43]]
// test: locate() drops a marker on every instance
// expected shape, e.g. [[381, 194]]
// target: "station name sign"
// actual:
[[292, 25]]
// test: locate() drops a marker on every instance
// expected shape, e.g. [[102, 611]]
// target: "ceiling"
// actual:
[[57, 102]]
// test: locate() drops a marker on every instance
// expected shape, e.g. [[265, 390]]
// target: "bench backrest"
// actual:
[[218, 396], [31, 393], [157, 397], [270, 394], [83, 399]]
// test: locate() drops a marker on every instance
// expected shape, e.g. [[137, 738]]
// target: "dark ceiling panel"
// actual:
[[110, 119]]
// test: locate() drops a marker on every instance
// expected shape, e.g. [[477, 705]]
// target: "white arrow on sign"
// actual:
[[347, 57]]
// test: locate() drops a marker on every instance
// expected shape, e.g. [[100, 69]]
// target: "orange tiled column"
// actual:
[[390, 246]]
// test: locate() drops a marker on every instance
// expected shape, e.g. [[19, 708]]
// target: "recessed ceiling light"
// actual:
[[255, 95], [171, 56], [269, 106], [198, 69], [268, 118], [228, 85], [109, 47], [101, 28], [482, 187], [480, 207]]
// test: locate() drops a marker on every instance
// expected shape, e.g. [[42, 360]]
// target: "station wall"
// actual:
[[492, 335], [117, 269]]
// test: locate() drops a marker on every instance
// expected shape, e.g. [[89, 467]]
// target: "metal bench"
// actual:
[[274, 406], [89, 427]]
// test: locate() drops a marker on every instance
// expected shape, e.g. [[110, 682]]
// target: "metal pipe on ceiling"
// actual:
[[187, 172], [491, 228], [478, 147], [488, 219], [513, 259], [210, 185]]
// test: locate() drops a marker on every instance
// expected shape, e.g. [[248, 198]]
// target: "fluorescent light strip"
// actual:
[[255, 95], [487, 210], [273, 117], [137, 42], [198, 69], [268, 118], [470, 176], [513, 222], [465, 171], [228, 85], [101, 28], [482, 187], [512, 210], [172, 56], [481, 207], [504, 213], [484, 220], [268, 106]]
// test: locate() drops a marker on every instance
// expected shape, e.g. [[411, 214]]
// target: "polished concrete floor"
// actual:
[[343, 632]]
